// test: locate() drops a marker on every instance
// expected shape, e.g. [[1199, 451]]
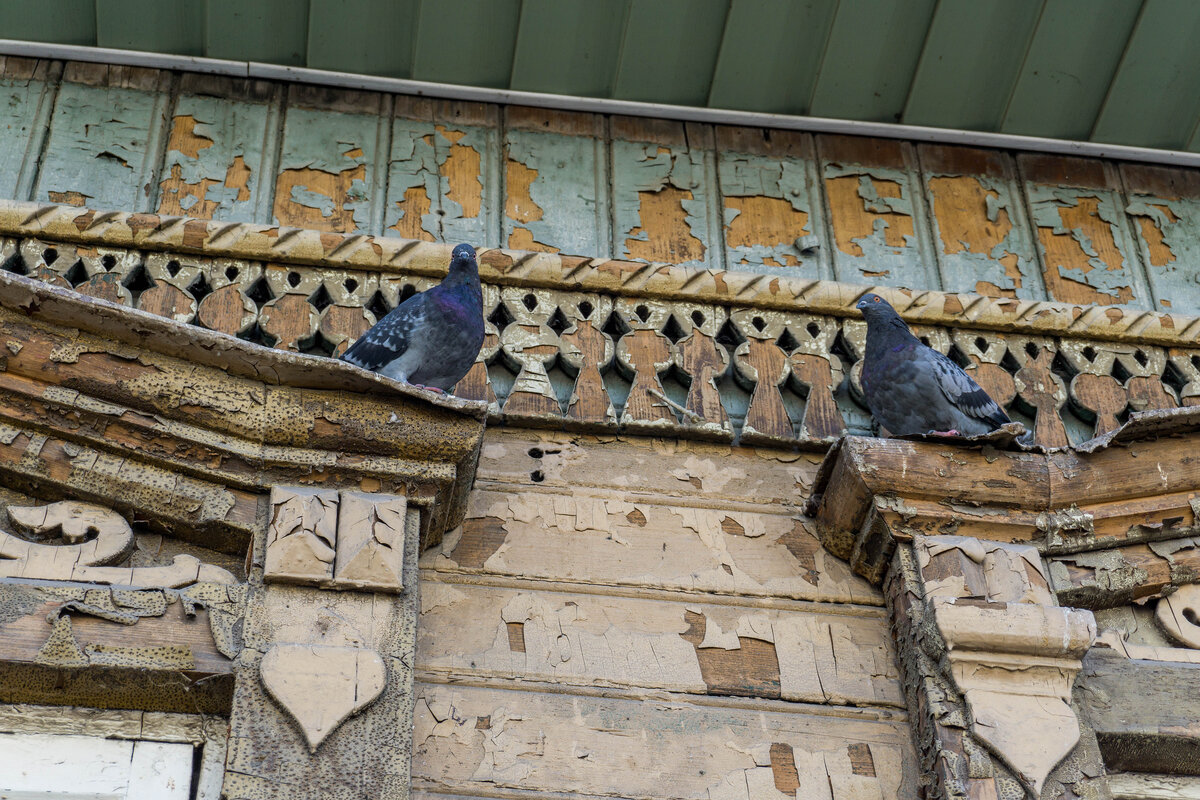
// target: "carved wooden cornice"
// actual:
[[192, 428], [1117, 521], [591, 344], [527, 269]]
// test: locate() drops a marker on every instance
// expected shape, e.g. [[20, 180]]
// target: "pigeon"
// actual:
[[913, 389], [431, 339]]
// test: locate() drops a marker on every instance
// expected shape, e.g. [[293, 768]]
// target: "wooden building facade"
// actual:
[[650, 550]]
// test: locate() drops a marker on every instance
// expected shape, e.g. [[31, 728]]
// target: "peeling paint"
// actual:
[[659, 203]]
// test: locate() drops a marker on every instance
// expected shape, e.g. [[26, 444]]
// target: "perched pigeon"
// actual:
[[432, 338], [913, 389]]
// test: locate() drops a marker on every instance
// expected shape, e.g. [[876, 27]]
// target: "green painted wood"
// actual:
[[326, 171], [869, 60], [466, 42], [664, 201], [769, 55], [26, 97], [669, 50], [214, 162], [1071, 60], [568, 46], [99, 146], [373, 37], [881, 234], [58, 21], [272, 31], [444, 174], [971, 59], [151, 25], [1155, 96], [568, 181]]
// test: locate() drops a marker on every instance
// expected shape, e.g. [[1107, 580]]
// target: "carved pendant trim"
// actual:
[[321, 687]]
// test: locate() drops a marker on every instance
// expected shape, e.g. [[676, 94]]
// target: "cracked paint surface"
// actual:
[[437, 177], [551, 195], [872, 214], [213, 158], [660, 203], [326, 170], [980, 248], [98, 145], [1168, 235], [766, 209], [20, 100], [1086, 256]]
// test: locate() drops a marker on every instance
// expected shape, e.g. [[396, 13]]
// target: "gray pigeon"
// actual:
[[913, 389], [432, 338]]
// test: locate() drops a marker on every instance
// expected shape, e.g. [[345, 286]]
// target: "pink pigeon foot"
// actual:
[[951, 432]]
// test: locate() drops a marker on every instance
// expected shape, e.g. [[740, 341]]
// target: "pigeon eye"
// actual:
[[875, 300]]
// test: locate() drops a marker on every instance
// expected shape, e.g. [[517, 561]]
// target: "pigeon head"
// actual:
[[875, 309], [462, 256]]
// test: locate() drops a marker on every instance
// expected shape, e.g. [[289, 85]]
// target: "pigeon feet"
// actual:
[[951, 432], [433, 389]]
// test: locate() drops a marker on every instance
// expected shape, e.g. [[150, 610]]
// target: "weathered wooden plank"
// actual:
[[444, 172], [876, 212], [327, 175], [474, 740], [102, 147], [983, 240], [556, 184], [1104, 578], [1144, 712], [1164, 207], [673, 468], [1086, 252], [771, 202], [589, 640], [26, 639], [663, 176], [27, 91], [613, 539], [216, 160]]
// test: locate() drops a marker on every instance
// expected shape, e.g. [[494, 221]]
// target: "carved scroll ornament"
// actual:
[[94, 537]]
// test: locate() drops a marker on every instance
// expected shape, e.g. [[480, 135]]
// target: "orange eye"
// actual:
[[876, 299]]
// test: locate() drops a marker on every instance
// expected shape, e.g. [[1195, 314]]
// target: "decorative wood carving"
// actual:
[[1179, 615], [320, 686], [1011, 652], [350, 540]]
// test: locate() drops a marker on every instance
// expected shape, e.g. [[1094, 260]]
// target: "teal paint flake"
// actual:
[[749, 175], [98, 145], [236, 129], [1176, 281], [565, 189], [413, 163], [906, 265], [456, 225], [19, 103], [962, 270], [420, 149], [642, 167], [1045, 201], [323, 140]]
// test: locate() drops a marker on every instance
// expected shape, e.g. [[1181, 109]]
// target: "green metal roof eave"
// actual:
[[276, 72]]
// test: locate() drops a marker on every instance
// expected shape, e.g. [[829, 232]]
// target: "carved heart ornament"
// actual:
[[320, 686]]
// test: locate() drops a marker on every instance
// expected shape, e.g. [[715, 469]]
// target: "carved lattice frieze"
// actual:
[[633, 361]]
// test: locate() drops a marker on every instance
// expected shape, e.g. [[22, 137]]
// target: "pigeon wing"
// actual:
[[392, 337], [963, 392]]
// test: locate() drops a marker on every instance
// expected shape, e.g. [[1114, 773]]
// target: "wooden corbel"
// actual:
[[991, 560]]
